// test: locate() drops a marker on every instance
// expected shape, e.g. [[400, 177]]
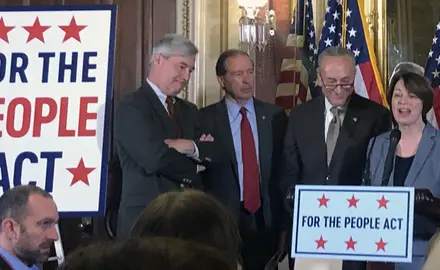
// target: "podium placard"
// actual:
[[56, 81], [355, 223]]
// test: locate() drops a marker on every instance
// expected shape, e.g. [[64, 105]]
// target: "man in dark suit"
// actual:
[[252, 133], [157, 133], [327, 137]]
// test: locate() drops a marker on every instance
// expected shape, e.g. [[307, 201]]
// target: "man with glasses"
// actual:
[[157, 134], [327, 137]]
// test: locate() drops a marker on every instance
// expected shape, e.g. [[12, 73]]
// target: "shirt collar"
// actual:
[[234, 108], [15, 262], [162, 97], [328, 106]]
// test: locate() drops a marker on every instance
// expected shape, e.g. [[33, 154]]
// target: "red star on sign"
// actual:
[[381, 245], [36, 30], [320, 243], [353, 201], [323, 200], [382, 202], [80, 173], [4, 30], [72, 30], [350, 243]]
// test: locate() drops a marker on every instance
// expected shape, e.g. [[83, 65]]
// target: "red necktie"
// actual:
[[172, 114], [251, 174]]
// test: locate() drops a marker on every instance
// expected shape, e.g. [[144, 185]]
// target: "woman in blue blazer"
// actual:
[[417, 159]]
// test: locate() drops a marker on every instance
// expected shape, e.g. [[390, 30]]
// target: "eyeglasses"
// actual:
[[344, 86]]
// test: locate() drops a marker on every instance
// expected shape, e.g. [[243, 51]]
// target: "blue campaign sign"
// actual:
[[353, 223], [56, 80]]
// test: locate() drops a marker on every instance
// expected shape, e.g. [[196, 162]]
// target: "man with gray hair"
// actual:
[[327, 137], [157, 134], [28, 217]]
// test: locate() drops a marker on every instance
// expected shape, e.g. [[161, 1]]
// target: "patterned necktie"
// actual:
[[172, 114], [333, 133], [251, 173]]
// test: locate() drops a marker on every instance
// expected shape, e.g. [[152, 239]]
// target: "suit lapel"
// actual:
[[348, 128], [316, 132], [384, 152], [225, 133], [160, 111], [264, 139], [425, 146]]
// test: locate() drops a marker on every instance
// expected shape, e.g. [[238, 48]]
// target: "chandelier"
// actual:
[[255, 27]]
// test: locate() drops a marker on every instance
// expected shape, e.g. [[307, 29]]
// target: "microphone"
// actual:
[[389, 160]]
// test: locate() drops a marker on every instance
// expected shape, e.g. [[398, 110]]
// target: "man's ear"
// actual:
[[318, 78], [10, 228], [221, 81], [157, 59]]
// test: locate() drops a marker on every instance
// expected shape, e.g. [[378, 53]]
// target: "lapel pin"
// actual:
[[264, 117], [355, 119]]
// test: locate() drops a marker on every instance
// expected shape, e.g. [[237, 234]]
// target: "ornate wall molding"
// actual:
[[206, 24]]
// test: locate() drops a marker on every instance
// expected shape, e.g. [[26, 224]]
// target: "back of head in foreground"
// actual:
[[190, 215], [154, 253]]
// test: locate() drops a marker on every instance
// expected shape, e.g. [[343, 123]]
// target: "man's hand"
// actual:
[[182, 146], [206, 138]]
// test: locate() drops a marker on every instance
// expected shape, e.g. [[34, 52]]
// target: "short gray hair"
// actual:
[[336, 51], [175, 45], [14, 202]]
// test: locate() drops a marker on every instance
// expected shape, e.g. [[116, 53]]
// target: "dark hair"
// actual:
[[14, 202], [154, 253], [190, 215], [221, 67], [415, 84]]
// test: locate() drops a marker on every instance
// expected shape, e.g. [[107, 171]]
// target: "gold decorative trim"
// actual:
[[186, 17], [185, 31], [382, 40]]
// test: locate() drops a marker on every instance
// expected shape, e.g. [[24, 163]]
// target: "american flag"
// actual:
[[331, 34], [367, 81], [432, 72], [298, 67]]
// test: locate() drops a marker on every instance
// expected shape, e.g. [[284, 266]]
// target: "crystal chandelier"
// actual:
[[255, 29]]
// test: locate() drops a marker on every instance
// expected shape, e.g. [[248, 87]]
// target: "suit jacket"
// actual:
[[424, 173], [305, 151], [149, 166], [221, 179]]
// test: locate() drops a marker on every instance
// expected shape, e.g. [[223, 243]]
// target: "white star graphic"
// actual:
[[328, 42], [311, 47], [436, 74], [332, 28], [335, 15], [311, 34], [438, 60], [348, 13], [327, 10], [430, 53], [356, 53], [352, 32], [438, 26], [349, 45], [434, 40]]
